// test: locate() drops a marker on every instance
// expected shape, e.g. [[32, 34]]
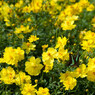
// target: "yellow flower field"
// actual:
[[47, 47]]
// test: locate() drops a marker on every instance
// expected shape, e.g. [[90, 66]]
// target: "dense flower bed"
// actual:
[[47, 47]]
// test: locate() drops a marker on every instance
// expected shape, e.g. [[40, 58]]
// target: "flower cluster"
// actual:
[[88, 42], [12, 56], [52, 53]]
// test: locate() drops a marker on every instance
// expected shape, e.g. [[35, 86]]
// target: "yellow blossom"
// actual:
[[7, 75], [33, 38], [28, 47], [81, 71], [33, 66], [91, 75], [68, 25], [61, 42], [36, 5], [88, 42], [91, 7], [69, 83], [48, 65], [28, 89], [22, 29], [26, 9], [91, 64], [44, 47], [49, 55], [21, 78], [13, 56], [63, 54], [43, 91]]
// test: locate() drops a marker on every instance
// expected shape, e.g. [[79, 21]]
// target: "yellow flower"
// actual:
[[28, 90], [91, 75], [63, 76], [67, 79], [21, 78], [88, 42], [81, 35], [88, 45], [36, 81], [84, 3], [33, 38], [69, 83], [13, 56], [63, 54], [28, 47], [61, 42], [33, 66], [49, 55], [44, 47], [68, 25], [26, 9], [81, 71], [71, 18], [5, 11], [61, 16], [89, 35], [19, 4], [22, 29], [7, 75], [48, 65], [9, 56], [43, 91], [20, 54], [91, 7], [36, 5], [91, 64]]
